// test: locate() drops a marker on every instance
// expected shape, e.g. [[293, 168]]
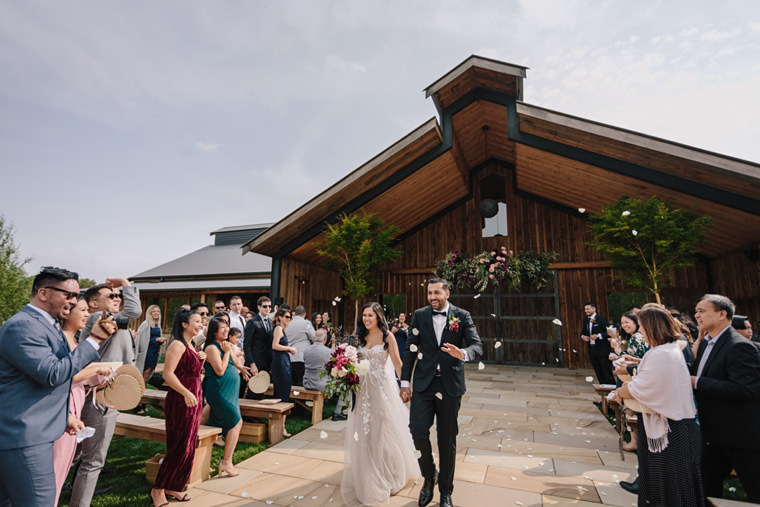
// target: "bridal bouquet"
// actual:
[[344, 369]]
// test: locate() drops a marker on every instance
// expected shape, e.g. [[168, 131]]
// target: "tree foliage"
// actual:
[[86, 283], [355, 246], [646, 241], [15, 285]]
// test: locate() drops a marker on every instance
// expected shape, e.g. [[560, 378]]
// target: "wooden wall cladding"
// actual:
[[736, 276]]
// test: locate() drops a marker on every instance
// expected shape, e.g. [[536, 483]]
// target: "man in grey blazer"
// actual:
[[36, 368], [300, 335], [119, 347]]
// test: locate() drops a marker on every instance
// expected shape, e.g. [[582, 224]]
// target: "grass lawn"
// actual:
[[125, 464]]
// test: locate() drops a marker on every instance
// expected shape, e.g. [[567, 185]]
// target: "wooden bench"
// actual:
[[252, 431], [303, 397], [603, 391], [151, 428], [274, 415]]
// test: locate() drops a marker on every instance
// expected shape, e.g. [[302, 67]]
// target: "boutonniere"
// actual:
[[593, 321], [453, 324]]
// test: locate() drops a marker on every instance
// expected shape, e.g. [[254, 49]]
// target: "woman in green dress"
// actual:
[[221, 387]]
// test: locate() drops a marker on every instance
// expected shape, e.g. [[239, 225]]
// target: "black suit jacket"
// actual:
[[257, 343], [599, 327], [452, 369], [728, 392]]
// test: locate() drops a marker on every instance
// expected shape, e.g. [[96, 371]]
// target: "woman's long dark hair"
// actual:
[[632, 316], [182, 317], [361, 329], [213, 328]]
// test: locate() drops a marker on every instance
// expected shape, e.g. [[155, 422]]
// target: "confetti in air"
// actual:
[[626, 213], [589, 379], [439, 396], [493, 315], [635, 232], [323, 434], [476, 296], [481, 366], [296, 393], [419, 356], [417, 454], [413, 348], [575, 351], [497, 345], [334, 303], [415, 331], [557, 322], [581, 210]]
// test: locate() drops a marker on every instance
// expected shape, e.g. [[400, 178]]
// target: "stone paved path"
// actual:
[[529, 436]]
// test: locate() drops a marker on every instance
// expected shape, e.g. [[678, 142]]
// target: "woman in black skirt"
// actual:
[[669, 439]]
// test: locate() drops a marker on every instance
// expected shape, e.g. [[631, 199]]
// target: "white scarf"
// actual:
[[663, 387]]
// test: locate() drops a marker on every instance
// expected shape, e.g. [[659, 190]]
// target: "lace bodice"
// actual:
[[373, 381]]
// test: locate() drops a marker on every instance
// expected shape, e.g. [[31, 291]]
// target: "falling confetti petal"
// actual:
[[419, 356], [439, 396], [556, 359], [575, 351], [296, 393], [481, 366], [413, 347], [557, 321], [581, 210], [635, 232], [497, 345], [356, 436], [415, 331], [732, 489], [626, 213], [323, 434], [417, 454], [493, 315], [334, 303], [476, 296], [589, 379]]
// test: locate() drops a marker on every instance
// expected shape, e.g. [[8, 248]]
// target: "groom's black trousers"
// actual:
[[426, 406]]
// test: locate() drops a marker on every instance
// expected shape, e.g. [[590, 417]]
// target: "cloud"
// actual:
[[717, 35], [690, 32], [207, 147]]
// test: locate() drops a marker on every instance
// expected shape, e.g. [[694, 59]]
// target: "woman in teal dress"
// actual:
[[221, 387]]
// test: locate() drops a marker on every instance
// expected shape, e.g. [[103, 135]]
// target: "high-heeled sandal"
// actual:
[[228, 468], [184, 498]]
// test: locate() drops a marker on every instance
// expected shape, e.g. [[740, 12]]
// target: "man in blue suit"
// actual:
[[36, 368]]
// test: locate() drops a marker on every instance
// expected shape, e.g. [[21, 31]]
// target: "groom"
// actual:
[[441, 339]]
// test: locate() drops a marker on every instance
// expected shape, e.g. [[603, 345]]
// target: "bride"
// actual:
[[379, 453]]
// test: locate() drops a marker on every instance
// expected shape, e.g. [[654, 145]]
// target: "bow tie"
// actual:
[[436, 312]]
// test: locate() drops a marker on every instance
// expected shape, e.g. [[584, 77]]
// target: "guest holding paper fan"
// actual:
[[221, 386]]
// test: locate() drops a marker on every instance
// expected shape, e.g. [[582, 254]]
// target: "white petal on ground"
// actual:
[[356, 436], [244, 494], [439, 396], [481, 366], [589, 379], [323, 434], [413, 348], [315, 497], [557, 322]]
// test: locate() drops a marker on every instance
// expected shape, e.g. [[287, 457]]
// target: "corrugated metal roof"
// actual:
[[211, 260], [250, 283]]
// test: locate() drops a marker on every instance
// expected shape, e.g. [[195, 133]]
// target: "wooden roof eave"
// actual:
[[420, 141]]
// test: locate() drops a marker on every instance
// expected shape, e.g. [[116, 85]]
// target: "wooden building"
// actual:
[[216, 271], [541, 166]]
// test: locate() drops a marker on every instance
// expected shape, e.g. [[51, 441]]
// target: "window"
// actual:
[[493, 206], [497, 224]]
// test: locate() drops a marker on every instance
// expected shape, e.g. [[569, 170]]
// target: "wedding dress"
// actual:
[[379, 453]]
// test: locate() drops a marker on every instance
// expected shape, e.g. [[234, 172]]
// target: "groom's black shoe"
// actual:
[[446, 500], [426, 492]]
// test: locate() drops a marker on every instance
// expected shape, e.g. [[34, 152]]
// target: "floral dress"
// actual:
[[637, 347]]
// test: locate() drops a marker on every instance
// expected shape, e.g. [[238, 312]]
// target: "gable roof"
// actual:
[[554, 156]]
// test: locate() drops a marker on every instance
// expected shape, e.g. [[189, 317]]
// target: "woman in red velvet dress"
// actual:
[[182, 373]]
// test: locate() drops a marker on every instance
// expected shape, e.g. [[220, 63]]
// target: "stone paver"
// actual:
[[528, 436]]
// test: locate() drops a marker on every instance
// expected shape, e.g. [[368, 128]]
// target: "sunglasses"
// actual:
[[266, 306], [218, 308], [114, 295], [203, 314], [69, 294], [286, 317]]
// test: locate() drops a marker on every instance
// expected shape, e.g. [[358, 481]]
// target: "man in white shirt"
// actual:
[[236, 319]]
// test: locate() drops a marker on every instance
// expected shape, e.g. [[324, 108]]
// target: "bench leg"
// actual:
[[276, 429], [316, 410], [201, 470]]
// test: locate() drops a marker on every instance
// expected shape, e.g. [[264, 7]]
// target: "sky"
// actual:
[[129, 130]]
